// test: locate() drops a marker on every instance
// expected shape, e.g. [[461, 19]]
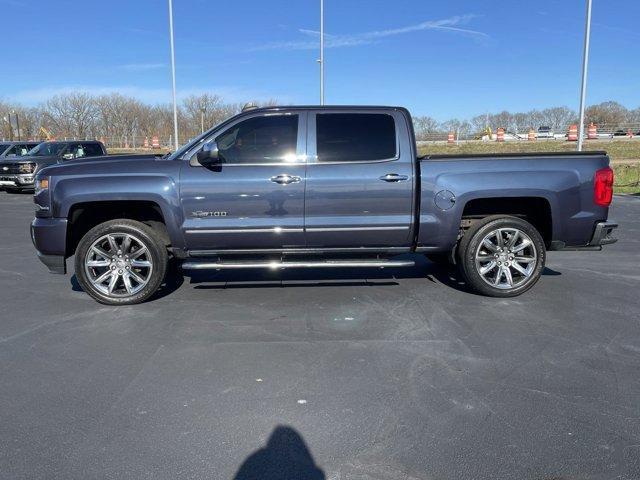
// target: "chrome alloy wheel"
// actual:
[[506, 258], [118, 264]]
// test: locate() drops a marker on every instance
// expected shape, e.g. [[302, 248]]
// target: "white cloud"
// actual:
[[229, 94], [451, 25]]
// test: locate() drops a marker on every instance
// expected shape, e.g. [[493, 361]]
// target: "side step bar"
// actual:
[[279, 264]]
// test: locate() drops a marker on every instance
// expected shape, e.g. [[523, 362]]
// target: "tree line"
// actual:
[[124, 120], [608, 116]]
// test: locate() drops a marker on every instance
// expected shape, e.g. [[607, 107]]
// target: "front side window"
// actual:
[[269, 139], [355, 137]]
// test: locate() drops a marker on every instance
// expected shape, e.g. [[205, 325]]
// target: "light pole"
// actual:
[[585, 64], [321, 61], [202, 110], [173, 77]]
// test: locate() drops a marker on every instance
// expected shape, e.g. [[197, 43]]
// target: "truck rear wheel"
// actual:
[[121, 262], [501, 256]]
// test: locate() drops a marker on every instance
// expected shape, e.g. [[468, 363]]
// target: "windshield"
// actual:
[[3, 148], [47, 149]]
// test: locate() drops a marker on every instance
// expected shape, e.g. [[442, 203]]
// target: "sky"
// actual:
[[440, 58]]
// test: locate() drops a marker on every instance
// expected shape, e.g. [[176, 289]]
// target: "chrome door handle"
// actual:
[[285, 179], [394, 177]]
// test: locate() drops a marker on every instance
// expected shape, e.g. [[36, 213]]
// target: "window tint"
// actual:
[[260, 140], [92, 150], [352, 137]]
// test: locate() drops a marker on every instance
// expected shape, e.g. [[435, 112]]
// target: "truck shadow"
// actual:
[[311, 278]]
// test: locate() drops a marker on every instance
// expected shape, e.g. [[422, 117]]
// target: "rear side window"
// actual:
[[355, 137], [92, 150]]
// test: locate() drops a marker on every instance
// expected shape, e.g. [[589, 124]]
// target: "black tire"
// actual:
[[470, 246], [140, 234]]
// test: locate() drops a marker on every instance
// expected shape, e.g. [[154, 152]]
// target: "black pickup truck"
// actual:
[[17, 173]]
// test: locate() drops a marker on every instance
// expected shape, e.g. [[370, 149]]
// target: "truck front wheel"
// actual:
[[121, 262], [501, 256]]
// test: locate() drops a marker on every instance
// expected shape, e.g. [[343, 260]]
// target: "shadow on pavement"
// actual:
[[284, 457]]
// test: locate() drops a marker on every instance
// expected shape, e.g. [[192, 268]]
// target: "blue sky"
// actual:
[[440, 58]]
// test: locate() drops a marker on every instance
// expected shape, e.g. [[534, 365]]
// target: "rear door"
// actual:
[[360, 179]]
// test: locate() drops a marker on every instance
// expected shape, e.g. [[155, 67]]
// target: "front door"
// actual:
[[360, 180], [255, 198]]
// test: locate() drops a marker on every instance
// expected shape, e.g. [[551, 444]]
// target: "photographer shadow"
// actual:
[[284, 457]]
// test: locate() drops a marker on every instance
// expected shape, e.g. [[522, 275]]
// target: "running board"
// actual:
[[278, 264]]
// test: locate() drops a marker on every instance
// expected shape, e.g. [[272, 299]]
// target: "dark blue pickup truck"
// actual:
[[316, 187]]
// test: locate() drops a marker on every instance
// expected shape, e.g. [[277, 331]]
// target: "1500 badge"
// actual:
[[202, 214]]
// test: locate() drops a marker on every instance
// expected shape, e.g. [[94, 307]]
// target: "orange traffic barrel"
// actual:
[[450, 137], [531, 135], [592, 132], [500, 135], [146, 142], [155, 143], [573, 133]]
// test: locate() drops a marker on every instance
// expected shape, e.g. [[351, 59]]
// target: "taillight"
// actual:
[[603, 187]]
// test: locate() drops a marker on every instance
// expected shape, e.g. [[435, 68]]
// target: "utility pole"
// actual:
[[202, 109], [321, 61], [173, 77], [585, 64]]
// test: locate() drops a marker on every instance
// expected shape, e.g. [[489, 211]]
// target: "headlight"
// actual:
[[27, 168], [41, 184]]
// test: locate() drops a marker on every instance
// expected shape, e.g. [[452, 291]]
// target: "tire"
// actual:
[[138, 273], [498, 273]]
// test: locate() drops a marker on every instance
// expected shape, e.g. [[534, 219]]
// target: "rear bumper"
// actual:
[[49, 236], [601, 236]]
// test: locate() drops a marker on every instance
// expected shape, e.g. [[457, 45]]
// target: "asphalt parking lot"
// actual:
[[376, 375]]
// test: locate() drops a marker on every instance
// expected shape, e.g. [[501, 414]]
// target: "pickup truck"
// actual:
[[17, 174], [316, 187]]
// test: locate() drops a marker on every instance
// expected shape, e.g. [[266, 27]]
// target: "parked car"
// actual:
[[545, 132], [15, 149], [18, 174], [317, 187]]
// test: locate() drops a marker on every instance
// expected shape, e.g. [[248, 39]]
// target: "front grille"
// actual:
[[9, 168]]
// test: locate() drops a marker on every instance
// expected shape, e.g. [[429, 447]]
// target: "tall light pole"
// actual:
[[585, 64], [321, 61], [173, 77]]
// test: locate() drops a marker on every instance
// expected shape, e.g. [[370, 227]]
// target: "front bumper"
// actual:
[[49, 236], [25, 181]]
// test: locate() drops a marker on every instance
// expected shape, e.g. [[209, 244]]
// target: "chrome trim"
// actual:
[[277, 265], [297, 251], [248, 230], [352, 229]]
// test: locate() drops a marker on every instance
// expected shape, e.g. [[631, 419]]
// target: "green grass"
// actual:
[[618, 150], [627, 178]]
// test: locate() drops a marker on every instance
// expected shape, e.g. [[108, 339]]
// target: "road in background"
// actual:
[[401, 374]]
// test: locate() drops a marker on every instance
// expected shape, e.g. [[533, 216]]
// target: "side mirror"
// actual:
[[209, 155]]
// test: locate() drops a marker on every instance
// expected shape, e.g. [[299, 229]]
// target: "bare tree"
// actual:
[[73, 114], [424, 126], [609, 114]]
